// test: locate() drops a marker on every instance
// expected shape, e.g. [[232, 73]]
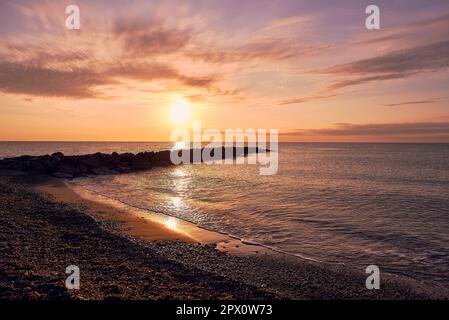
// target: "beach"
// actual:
[[202, 152], [43, 231]]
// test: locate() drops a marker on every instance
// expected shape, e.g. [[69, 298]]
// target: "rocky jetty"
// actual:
[[68, 167]]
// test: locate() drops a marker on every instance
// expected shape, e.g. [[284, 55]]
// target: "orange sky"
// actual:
[[308, 68]]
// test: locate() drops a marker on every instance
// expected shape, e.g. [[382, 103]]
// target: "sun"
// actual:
[[180, 112]]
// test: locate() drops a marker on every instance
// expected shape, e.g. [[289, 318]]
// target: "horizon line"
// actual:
[[156, 141]]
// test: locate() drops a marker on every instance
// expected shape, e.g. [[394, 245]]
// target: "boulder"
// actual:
[[63, 175], [57, 155]]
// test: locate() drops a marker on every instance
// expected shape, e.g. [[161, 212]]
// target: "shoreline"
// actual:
[[36, 236], [144, 224], [40, 237], [154, 226]]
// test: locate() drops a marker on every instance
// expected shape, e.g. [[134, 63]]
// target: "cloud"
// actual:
[[396, 65], [55, 69], [340, 84], [113, 48], [37, 80], [28, 79], [305, 99], [426, 30], [215, 91], [419, 47], [106, 52], [149, 37], [431, 57], [406, 103], [268, 49], [443, 18], [151, 72], [375, 130], [392, 66]]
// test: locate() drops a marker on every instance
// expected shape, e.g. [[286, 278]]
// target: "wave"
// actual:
[[243, 240]]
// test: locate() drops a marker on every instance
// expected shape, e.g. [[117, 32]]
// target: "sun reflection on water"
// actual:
[[177, 202], [171, 223], [179, 172], [179, 145]]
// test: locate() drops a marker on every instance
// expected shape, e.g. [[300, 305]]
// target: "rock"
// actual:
[[126, 157], [63, 175], [124, 169], [143, 161], [83, 170], [90, 162], [100, 170], [57, 155], [67, 167]]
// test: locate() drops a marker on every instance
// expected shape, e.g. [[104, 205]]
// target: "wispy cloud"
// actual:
[[29, 79], [150, 37], [269, 49], [407, 103], [392, 66], [402, 52], [396, 65], [431, 57], [115, 50], [35, 79], [75, 65], [375, 130], [153, 71], [422, 31], [305, 99]]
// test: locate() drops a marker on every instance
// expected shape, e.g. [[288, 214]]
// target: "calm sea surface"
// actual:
[[357, 204]]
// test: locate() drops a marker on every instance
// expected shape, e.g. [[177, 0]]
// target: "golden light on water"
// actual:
[[176, 202], [180, 145], [171, 223], [179, 172]]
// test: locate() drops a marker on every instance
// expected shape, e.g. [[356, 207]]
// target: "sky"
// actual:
[[310, 69]]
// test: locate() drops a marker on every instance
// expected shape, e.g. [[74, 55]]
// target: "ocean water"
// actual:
[[352, 204]]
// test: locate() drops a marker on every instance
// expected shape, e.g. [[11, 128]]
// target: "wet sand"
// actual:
[[131, 222], [44, 227], [142, 224]]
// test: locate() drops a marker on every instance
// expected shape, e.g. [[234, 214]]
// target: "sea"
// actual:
[[354, 204]]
